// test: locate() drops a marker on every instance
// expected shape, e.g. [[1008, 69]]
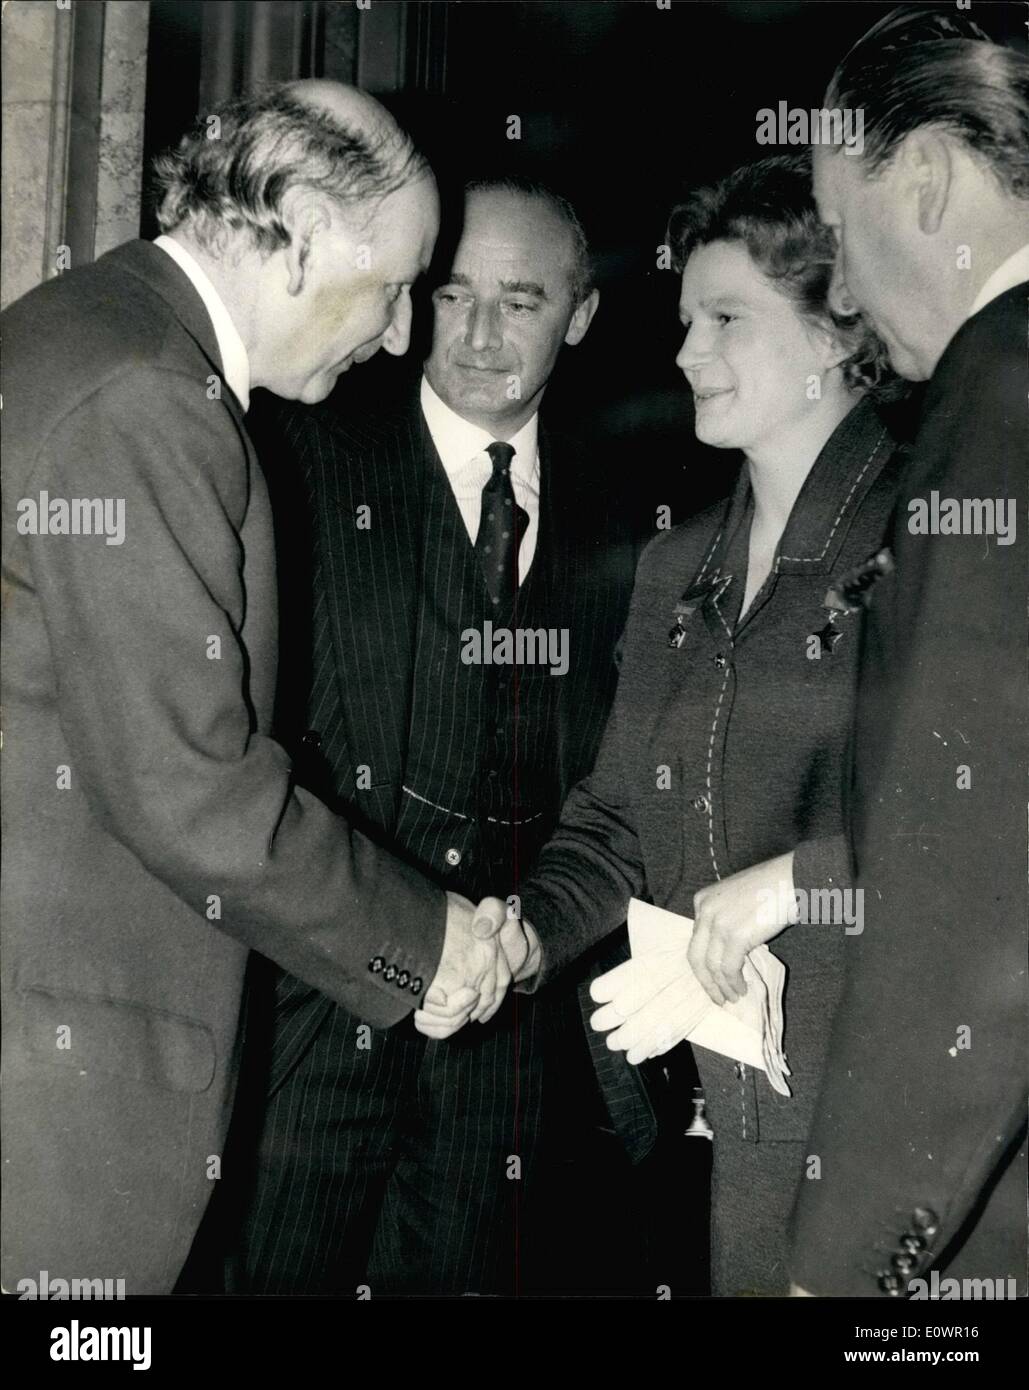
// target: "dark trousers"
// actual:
[[331, 1184], [405, 1165], [614, 1228]]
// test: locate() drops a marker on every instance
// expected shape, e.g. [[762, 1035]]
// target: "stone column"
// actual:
[[119, 177], [74, 85], [37, 42]]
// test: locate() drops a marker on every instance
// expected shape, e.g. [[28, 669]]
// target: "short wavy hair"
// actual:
[[267, 145], [769, 208], [929, 66]]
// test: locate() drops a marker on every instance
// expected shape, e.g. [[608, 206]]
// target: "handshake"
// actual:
[[485, 951]]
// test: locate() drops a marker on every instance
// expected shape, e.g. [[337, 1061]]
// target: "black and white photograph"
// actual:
[[515, 721]]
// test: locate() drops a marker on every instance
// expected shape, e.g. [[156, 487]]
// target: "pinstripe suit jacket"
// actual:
[[357, 573]]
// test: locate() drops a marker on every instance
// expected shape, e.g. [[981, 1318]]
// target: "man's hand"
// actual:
[[518, 940], [484, 952], [733, 916], [467, 969]]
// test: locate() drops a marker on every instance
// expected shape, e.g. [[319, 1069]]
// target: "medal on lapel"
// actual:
[[693, 599], [850, 593]]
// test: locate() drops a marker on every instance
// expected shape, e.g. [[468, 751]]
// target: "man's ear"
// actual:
[[927, 162], [582, 318], [303, 217]]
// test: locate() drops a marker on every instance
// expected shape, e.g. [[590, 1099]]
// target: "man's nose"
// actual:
[[397, 338], [483, 329], [840, 300]]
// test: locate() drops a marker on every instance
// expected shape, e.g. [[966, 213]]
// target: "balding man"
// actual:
[[154, 830]]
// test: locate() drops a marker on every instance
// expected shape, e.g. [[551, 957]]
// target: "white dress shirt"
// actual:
[[462, 450], [1014, 271], [231, 349]]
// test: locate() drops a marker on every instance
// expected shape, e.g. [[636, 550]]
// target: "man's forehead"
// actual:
[[499, 258], [509, 235]]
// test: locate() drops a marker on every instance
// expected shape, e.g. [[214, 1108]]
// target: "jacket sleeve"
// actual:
[[822, 864], [580, 887], [924, 1089], [590, 868], [149, 644]]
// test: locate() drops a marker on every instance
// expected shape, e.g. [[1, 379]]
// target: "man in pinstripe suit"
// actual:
[[384, 1158]]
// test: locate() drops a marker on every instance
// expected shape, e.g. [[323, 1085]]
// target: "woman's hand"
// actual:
[[734, 916]]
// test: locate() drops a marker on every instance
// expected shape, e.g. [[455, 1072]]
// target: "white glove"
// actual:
[[652, 1001]]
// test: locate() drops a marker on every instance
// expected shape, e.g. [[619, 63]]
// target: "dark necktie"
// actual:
[[502, 525]]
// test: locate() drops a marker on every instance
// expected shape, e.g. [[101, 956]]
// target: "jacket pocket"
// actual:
[[88, 1034]]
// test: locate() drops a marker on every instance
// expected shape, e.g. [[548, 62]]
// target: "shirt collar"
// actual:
[[231, 348], [457, 440], [1014, 271]]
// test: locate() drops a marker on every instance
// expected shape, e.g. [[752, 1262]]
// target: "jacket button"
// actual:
[[416, 985], [376, 965], [701, 803], [718, 661], [312, 739], [404, 979], [889, 1283], [390, 973], [453, 857], [903, 1264], [914, 1245], [924, 1219]]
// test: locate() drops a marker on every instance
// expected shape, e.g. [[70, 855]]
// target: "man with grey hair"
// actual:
[[155, 832], [920, 1127]]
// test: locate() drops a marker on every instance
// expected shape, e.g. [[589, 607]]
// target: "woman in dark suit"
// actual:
[[719, 786]]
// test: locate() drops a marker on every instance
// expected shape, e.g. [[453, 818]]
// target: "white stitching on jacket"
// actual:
[[707, 558], [813, 559], [710, 760], [492, 819]]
